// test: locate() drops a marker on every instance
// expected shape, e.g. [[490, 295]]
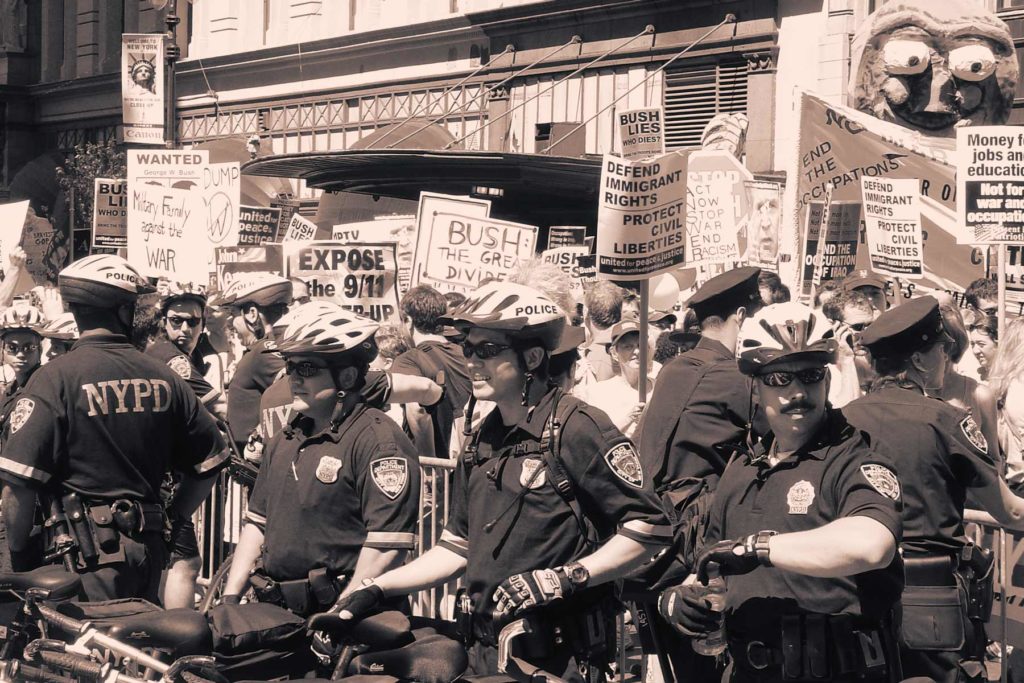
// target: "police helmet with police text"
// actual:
[[260, 289], [521, 312], [323, 328], [783, 332], [63, 328], [102, 281], [21, 317]]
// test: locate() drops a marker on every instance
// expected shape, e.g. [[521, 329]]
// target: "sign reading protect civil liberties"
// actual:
[[841, 239], [257, 225], [299, 230], [142, 88], [165, 225], [641, 132], [711, 223], [361, 277], [460, 251], [990, 183], [641, 217], [892, 218], [110, 213]]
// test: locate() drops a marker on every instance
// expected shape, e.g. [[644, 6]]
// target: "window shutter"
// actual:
[[694, 94]]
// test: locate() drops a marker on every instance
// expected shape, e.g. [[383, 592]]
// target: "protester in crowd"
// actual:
[[392, 342], [983, 332], [13, 276], [983, 296], [671, 343], [870, 284], [824, 293], [60, 334], [804, 525], [454, 299], [769, 284], [618, 397], [300, 291], [603, 302], [781, 294], [852, 311], [1006, 380]]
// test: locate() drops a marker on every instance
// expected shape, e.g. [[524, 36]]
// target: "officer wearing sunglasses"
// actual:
[[803, 526]]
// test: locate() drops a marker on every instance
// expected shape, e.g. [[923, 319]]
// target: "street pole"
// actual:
[[172, 53]]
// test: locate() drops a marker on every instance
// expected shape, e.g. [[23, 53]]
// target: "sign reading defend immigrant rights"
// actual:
[[892, 219], [990, 183]]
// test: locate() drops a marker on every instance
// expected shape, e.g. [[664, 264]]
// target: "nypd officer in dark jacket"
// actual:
[[94, 433], [940, 452], [804, 526]]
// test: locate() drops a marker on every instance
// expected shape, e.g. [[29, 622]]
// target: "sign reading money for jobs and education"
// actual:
[[257, 225], [841, 239], [641, 132], [641, 217], [990, 183], [361, 277], [892, 218], [165, 225], [110, 213]]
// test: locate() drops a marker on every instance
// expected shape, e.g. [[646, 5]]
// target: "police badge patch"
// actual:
[[181, 366], [882, 479], [800, 497], [973, 433], [327, 469], [390, 475], [22, 411], [625, 463], [530, 477]]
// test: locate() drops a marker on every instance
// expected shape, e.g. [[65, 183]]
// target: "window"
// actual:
[[695, 94]]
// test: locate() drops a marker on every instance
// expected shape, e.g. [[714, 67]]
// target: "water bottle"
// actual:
[[714, 643]]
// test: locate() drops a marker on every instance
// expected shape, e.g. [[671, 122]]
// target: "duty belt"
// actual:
[[930, 570]]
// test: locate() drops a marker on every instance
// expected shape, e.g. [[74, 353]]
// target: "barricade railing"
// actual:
[[980, 521]]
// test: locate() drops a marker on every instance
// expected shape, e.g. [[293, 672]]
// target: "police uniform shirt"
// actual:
[[165, 351], [506, 516], [838, 476], [276, 402], [107, 422], [940, 452], [320, 498], [256, 371]]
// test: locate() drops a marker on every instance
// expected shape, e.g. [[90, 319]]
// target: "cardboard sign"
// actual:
[[641, 132], [567, 259], [567, 236], [839, 253], [110, 213], [235, 262], [431, 204], [299, 230], [892, 218], [711, 223], [165, 225], [257, 225], [178, 168], [37, 234], [990, 182], [142, 88], [641, 217], [398, 229], [361, 277], [12, 223], [222, 191]]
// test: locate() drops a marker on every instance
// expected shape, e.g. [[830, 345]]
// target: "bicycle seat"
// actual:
[[182, 631], [55, 580], [383, 631], [435, 659]]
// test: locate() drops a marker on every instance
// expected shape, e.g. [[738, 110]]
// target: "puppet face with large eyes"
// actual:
[[935, 73]]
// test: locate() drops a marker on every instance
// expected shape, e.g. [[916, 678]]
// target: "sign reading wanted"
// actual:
[[990, 183], [641, 132], [361, 277], [892, 218]]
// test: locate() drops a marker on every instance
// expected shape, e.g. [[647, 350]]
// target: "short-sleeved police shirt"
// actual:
[[321, 497], [165, 351], [256, 371], [940, 452], [107, 421], [838, 476], [505, 523], [276, 402]]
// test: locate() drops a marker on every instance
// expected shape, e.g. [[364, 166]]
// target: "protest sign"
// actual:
[[567, 236], [257, 225], [361, 277], [892, 218], [990, 183], [299, 230], [289, 207], [237, 262], [641, 216], [110, 213], [142, 88], [586, 268], [165, 225], [839, 253], [762, 225], [12, 224], [398, 229], [172, 167], [37, 234], [222, 191], [430, 205], [711, 223], [567, 259], [641, 132]]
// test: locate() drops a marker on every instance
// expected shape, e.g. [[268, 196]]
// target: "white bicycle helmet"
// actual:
[[21, 317], [261, 289], [324, 328], [63, 328], [784, 332], [102, 281], [519, 311], [183, 291], [300, 313]]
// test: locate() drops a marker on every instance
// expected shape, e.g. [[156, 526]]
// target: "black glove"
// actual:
[[360, 602], [231, 599], [736, 557], [520, 592], [687, 609]]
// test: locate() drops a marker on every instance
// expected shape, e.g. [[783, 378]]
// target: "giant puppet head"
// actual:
[[934, 66]]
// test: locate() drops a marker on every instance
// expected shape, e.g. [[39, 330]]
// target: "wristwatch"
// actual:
[[577, 574], [761, 547]]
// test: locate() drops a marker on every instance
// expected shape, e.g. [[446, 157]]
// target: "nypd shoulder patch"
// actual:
[[390, 475], [882, 479], [181, 366], [972, 432], [22, 412], [624, 462]]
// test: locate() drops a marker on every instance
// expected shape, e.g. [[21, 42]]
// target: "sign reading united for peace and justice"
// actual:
[[110, 213], [641, 132], [990, 183], [361, 277], [839, 254], [257, 225], [892, 218], [641, 216], [142, 88]]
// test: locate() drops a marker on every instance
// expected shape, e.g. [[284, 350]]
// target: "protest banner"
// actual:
[[642, 133], [567, 236], [142, 88], [892, 218], [430, 205], [222, 196], [567, 259], [398, 229], [641, 216], [711, 223], [110, 213], [460, 251], [178, 168], [299, 230], [257, 225], [236, 262], [289, 207], [361, 277], [165, 225], [990, 183], [762, 225], [839, 253]]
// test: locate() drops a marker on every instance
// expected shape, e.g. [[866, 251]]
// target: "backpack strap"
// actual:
[[551, 447]]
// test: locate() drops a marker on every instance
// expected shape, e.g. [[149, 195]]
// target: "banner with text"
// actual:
[[361, 277], [237, 262], [142, 88], [892, 218], [110, 213], [430, 205], [257, 225], [641, 132], [299, 229], [841, 239], [165, 227], [990, 180], [398, 229], [641, 216]]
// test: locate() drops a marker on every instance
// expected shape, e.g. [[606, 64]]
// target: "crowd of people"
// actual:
[[815, 459]]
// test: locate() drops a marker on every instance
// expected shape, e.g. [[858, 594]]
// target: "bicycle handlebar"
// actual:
[[72, 625]]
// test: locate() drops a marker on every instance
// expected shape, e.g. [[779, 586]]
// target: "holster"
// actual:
[[319, 590], [977, 567]]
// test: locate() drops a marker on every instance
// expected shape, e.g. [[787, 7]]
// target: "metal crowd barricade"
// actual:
[[1003, 578]]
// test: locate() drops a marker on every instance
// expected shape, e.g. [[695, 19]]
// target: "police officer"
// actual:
[[549, 503], [804, 526], [941, 453], [94, 432], [20, 335], [60, 334], [337, 496]]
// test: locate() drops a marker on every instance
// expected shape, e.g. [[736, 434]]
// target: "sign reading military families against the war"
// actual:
[[142, 88], [299, 229], [257, 225], [990, 183], [711, 223], [641, 216], [839, 254], [892, 218], [110, 213], [166, 227], [641, 132], [361, 277], [178, 168], [567, 236], [235, 262]]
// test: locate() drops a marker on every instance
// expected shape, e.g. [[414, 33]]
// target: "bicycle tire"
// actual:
[[216, 588]]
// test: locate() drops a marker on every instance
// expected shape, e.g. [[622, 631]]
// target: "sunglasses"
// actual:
[[177, 322], [858, 327], [14, 349], [306, 368], [483, 350], [783, 378]]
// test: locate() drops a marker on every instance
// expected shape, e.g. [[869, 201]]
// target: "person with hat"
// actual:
[[550, 504], [21, 337], [60, 334], [94, 432], [803, 527], [941, 453], [870, 284], [618, 396], [337, 495]]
